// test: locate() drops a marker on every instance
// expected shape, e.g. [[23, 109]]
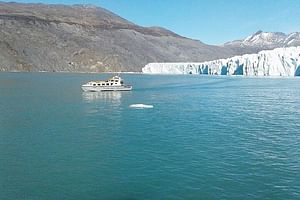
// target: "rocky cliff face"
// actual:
[[39, 37]]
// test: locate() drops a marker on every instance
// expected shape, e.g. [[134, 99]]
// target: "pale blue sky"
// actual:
[[211, 21]]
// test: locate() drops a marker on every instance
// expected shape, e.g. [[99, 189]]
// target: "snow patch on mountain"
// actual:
[[267, 40], [277, 62]]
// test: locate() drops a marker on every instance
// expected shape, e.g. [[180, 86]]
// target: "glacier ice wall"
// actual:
[[277, 62]]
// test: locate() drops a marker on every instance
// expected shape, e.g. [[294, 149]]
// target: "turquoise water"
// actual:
[[205, 138]]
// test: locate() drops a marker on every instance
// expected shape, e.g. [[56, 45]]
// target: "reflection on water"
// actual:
[[103, 105], [108, 96]]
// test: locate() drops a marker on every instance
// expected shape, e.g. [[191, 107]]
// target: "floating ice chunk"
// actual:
[[140, 106]]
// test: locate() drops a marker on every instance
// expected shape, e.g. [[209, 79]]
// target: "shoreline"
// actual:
[[68, 72], [154, 74]]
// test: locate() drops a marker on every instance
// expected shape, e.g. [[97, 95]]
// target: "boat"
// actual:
[[115, 83]]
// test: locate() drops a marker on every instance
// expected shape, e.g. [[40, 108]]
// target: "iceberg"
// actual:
[[140, 106], [277, 62]]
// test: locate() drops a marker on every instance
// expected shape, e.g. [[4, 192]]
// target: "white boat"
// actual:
[[113, 84]]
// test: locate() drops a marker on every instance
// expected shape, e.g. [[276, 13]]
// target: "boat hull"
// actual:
[[88, 88]]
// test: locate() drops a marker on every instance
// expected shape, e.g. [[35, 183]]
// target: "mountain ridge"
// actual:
[[267, 40]]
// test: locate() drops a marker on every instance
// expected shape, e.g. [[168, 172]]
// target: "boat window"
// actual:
[[99, 84], [103, 83], [111, 84], [116, 80], [122, 82], [107, 83], [94, 84]]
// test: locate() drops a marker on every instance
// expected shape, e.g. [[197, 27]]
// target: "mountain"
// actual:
[[277, 62], [84, 38], [264, 41]]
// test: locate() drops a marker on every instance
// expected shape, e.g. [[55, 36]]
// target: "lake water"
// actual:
[[206, 137]]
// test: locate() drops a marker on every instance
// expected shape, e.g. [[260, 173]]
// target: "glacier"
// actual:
[[276, 62]]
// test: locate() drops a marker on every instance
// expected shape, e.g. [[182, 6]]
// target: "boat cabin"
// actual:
[[114, 81]]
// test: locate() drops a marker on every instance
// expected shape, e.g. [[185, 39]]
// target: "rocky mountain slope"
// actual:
[[81, 38], [39, 37]]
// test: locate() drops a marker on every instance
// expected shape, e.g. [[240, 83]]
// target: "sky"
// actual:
[[210, 21]]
